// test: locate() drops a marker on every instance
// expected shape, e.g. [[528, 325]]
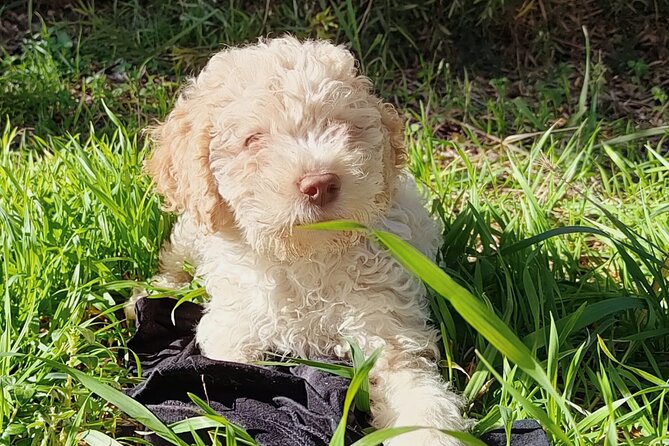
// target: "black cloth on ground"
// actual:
[[278, 406]]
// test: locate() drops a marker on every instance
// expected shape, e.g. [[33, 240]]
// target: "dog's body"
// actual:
[[268, 138]]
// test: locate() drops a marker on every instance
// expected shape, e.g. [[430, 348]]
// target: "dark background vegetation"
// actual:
[[534, 50]]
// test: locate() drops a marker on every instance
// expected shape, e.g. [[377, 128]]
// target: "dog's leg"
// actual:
[[414, 395], [236, 325], [179, 249], [228, 337]]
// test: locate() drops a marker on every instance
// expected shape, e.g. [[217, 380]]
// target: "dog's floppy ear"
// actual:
[[395, 155], [180, 165]]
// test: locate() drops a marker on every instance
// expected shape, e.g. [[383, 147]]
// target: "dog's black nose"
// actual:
[[321, 188]]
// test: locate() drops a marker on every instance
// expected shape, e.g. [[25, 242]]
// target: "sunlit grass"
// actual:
[[558, 230], [577, 270]]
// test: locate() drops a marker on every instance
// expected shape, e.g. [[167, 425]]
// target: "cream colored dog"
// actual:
[[280, 134]]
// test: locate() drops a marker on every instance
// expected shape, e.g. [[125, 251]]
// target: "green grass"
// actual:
[[555, 211]]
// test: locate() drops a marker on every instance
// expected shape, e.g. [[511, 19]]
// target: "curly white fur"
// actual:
[[229, 157]]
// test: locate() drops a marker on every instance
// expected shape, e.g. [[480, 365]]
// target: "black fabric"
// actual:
[[523, 433], [278, 406]]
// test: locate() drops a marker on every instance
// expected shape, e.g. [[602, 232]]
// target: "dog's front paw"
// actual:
[[423, 437], [226, 338], [219, 351], [129, 307]]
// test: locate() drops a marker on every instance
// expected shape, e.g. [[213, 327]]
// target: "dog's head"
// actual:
[[276, 135]]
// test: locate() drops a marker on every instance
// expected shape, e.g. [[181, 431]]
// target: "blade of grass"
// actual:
[[358, 379], [128, 405], [97, 438], [379, 436], [232, 430], [477, 314]]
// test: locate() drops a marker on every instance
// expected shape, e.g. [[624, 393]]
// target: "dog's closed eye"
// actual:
[[252, 140], [347, 127]]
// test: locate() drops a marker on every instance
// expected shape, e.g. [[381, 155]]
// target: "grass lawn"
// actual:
[[552, 182]]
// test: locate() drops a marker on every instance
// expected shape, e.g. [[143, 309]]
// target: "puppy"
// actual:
[[285, 133]]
